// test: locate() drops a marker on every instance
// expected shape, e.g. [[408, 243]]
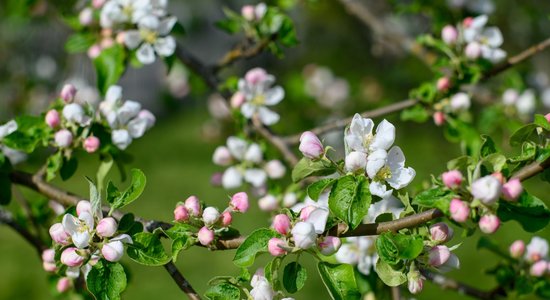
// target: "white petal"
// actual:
[[149, 22], [73, 272], [248, 109], [166, 25], [267, 116], [126, 239], [318, 218], [114, 95], [145, 54], [479, 21], [129, 110], [121, 138], [375, 162], [132, 39], [354, 143], [70, 223], [137, 127], [87, 218], [493, 37], [401, 178], [232, 178], [396, 158], [81, 239], [254, 154], [237, 147], [165, 46], [274, 95], [256, 177], [378, 188], [8, 128], [385, 136]]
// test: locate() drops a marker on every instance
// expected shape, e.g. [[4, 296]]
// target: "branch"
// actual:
[[242, 52], [7, 218], [461, 288], [206, 73], [276, 141], [182, 283], [532, 170]]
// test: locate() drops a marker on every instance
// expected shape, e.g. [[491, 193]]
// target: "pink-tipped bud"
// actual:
[[83, 206], [539, 268], [512, 189], [268, 203], [304, 213], [181, 214], [467, 22], [499, 176], [415, 281], [58, 234], [460, 211], [193, 206], [63, 138], [281, 224], [206, 236], [439, 118], [71, 258], [49, 267], [310, 145], [517, 249], [473, 50], [52, 118], [275, 169], [547, 116], [48, 260], [489, 224], [98, 3], [439, 255], [449, 34], [329, 245], [226, 218], [273, 247], [113, 251], [248, 12], [210, 215], [441, 232], [452, 179], [106, 227], [91, 144], [222, 156], [86, 16], [256, 76], [443, 84], [63, 284], [67, 93], [239, 202], [94, 51], [237, 100]]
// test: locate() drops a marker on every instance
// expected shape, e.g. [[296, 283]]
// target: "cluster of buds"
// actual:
[[484, 194], [522, 104], [245, 162], [454, 104], [535, 255], [209, 219], [254, 13], [82, 243], [272, 202], [68, 123], [142, 25]]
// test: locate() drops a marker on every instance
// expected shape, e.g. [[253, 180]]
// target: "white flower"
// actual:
[[389, 167], [489, 38], [460, 102], [487, 189], [81, 228], [151, 37], [257, 90], [537, 249], [360, 252], [75, 113], [246, 156], [261, 289], [526, 103], [304, 235], [117, 12], [121, 138], [359, 136], [388, 205], [275, 169], [15, 156], [8, 129]]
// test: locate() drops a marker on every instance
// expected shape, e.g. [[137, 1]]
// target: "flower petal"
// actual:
[[232, 178], [248, 109], [385, 136], [132, 39], [375, 162], [8, 128], [267, 116], [379, 189], [401, 178], [145, 54], [256, 177], [237, 147], [70, 223], [166, 25], [165, 46], [274, 95]]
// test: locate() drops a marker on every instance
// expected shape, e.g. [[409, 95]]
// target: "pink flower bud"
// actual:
[[237, 100], [517, 249], [539, 268], [439, 118], [48, 255], [63, 138], [439, 255], [113, 251], [268, 203], [49, 267], [473, 50], [52, 118], [499, 176], [489, 224], [256, 76], [248, 13], [310, 145], [449, 34], [94, 51], [226, 218], [107, 42], [275, 169], [91, 144], [193, 206], [181, 214], [210, 215], [441, 232], [512, 189], [443, 84], [329, 245], [98, 3], [106, 227], [273, 247], [216, 179], [58, 234], [415, 281], [71, 258], [459, 210], [63, 284], [281, 224], [452, 179], [222, 156], [239, 202], [83, 206], [206, 236], [304, 213], [467, 22], [68, 92], [547, 116], [86, 16]]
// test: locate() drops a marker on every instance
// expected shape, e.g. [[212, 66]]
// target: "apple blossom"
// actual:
[[460, 211], [443, 84], [415, 281], [517, 249], [68, 93], [206, 236], [273, 247], [389, 167], [449, 34], [239, 202], [222, 156], [317, 217], [59, 234], [247, 12], [48, 260], [268, 203], [473, 50], [113, 251], [63, 138], [237, 100], [489, 224], [210, 215], [360, 252], [257, 90], [193, 206], [74, 113], [94, 51], [261, 289], [489, 39], [512, 189], [460, 102], [438, 255], [452, 179], [355, 160], [441, 232], [537, 249], [71, 258], [439, 118], [63, 284], [91, 144], [83, 206], [226, 218], [86, 16], [539, 268], [304, 235], [80, 229], [247, 156], [310, 145], [526, 103], [359, 136], [281, 224], [329, 245], [52, 118], [275, 169], [304, 212], [106, 227], [487, 189], [181, 214], [389, 205], [151, 37], [510, 97]]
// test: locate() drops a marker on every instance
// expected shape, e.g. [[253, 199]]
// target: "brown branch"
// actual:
[[276, 141], [182, 283], [532, 170], [242, 52], [206, 73], [396, 293], [7, 218], [462, 288]]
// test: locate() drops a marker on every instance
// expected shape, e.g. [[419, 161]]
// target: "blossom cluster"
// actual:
[[82, 241], [209, 219], [262, 289], [329, 91], [142, 25], [524, 104], [535, 255], [482, 195]]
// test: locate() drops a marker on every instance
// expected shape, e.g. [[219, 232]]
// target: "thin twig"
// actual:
[[396, 293], [532, 170], [7, 218], [241, 52], [462, 288], [276, 141], [206, 73], [182, 283]]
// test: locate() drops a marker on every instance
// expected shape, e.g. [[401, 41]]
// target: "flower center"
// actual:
[[367, 140], [128, 11], [383, 174], [259, 100], [149, 36]]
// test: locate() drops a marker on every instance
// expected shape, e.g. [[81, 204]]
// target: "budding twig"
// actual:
[[461, 288], [182, 283], [242, 52]]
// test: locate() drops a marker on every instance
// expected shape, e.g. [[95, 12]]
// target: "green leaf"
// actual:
[[271, 272], [460, 163], [315, 189], [392, 248], [416, 113], [529, 211], [106, 280], [181, 235], [79, 42], [95, 198], [287, 33], [147, 250], [339, 280], [435, 198], [254, 244], [5, 188], [121, 199], [528, 151], [350, 199], [487, 146], [53, 165], [294, 277], [388, 275], [495, 161], [525, 133], [181, 243], [541, 121], [307, 167], [110, 66], [68, 168], [223, 291]]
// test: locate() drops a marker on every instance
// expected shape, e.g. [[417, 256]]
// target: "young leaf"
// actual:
[[487, 146], [307, 167], [254, 244], [529, 211], [68, 168], [223, 291], [121, 199], [294, 277], [350, 199], [435, 198], [388, 275], [110, 65], [392, 248], [315, 189], [147, 250], [106, 280], [339, 280], [95, 199]]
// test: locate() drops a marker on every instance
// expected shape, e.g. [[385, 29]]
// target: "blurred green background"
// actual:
[[176, 154]]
